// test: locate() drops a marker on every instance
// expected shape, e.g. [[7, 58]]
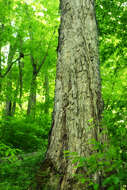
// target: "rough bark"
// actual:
[[77, 96]]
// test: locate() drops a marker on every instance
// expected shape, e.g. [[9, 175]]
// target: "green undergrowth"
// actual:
[[19, 174], [23, 142], [25, 134], [109, 157]]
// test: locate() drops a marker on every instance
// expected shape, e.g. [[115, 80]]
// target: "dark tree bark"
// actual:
[[77, 97]]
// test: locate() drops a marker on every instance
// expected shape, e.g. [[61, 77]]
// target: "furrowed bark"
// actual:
[[78, 102]]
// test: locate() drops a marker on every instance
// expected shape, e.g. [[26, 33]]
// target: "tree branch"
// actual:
[[44, 58], [10, 66]]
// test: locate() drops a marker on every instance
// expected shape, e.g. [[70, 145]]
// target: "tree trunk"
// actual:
[[21, 65], [0, 69], [32, 98], [15, 98], [1, 31], [46, 87], [31, 109], [77, 96], [8, 107]]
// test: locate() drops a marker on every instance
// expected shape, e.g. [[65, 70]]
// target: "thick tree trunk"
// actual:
[[77, 96]]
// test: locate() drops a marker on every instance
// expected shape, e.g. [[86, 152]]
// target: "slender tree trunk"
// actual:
[[15, 98], [8, 107], [77, 96], [21, 64], [46, 87], [0, 69], [1, 31], [31, 109], [32, 98]]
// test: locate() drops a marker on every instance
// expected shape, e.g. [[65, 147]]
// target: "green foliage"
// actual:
[[19, 174], [24, 142], [25, 134], [8, 152], [28, 26], [108, 163]]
